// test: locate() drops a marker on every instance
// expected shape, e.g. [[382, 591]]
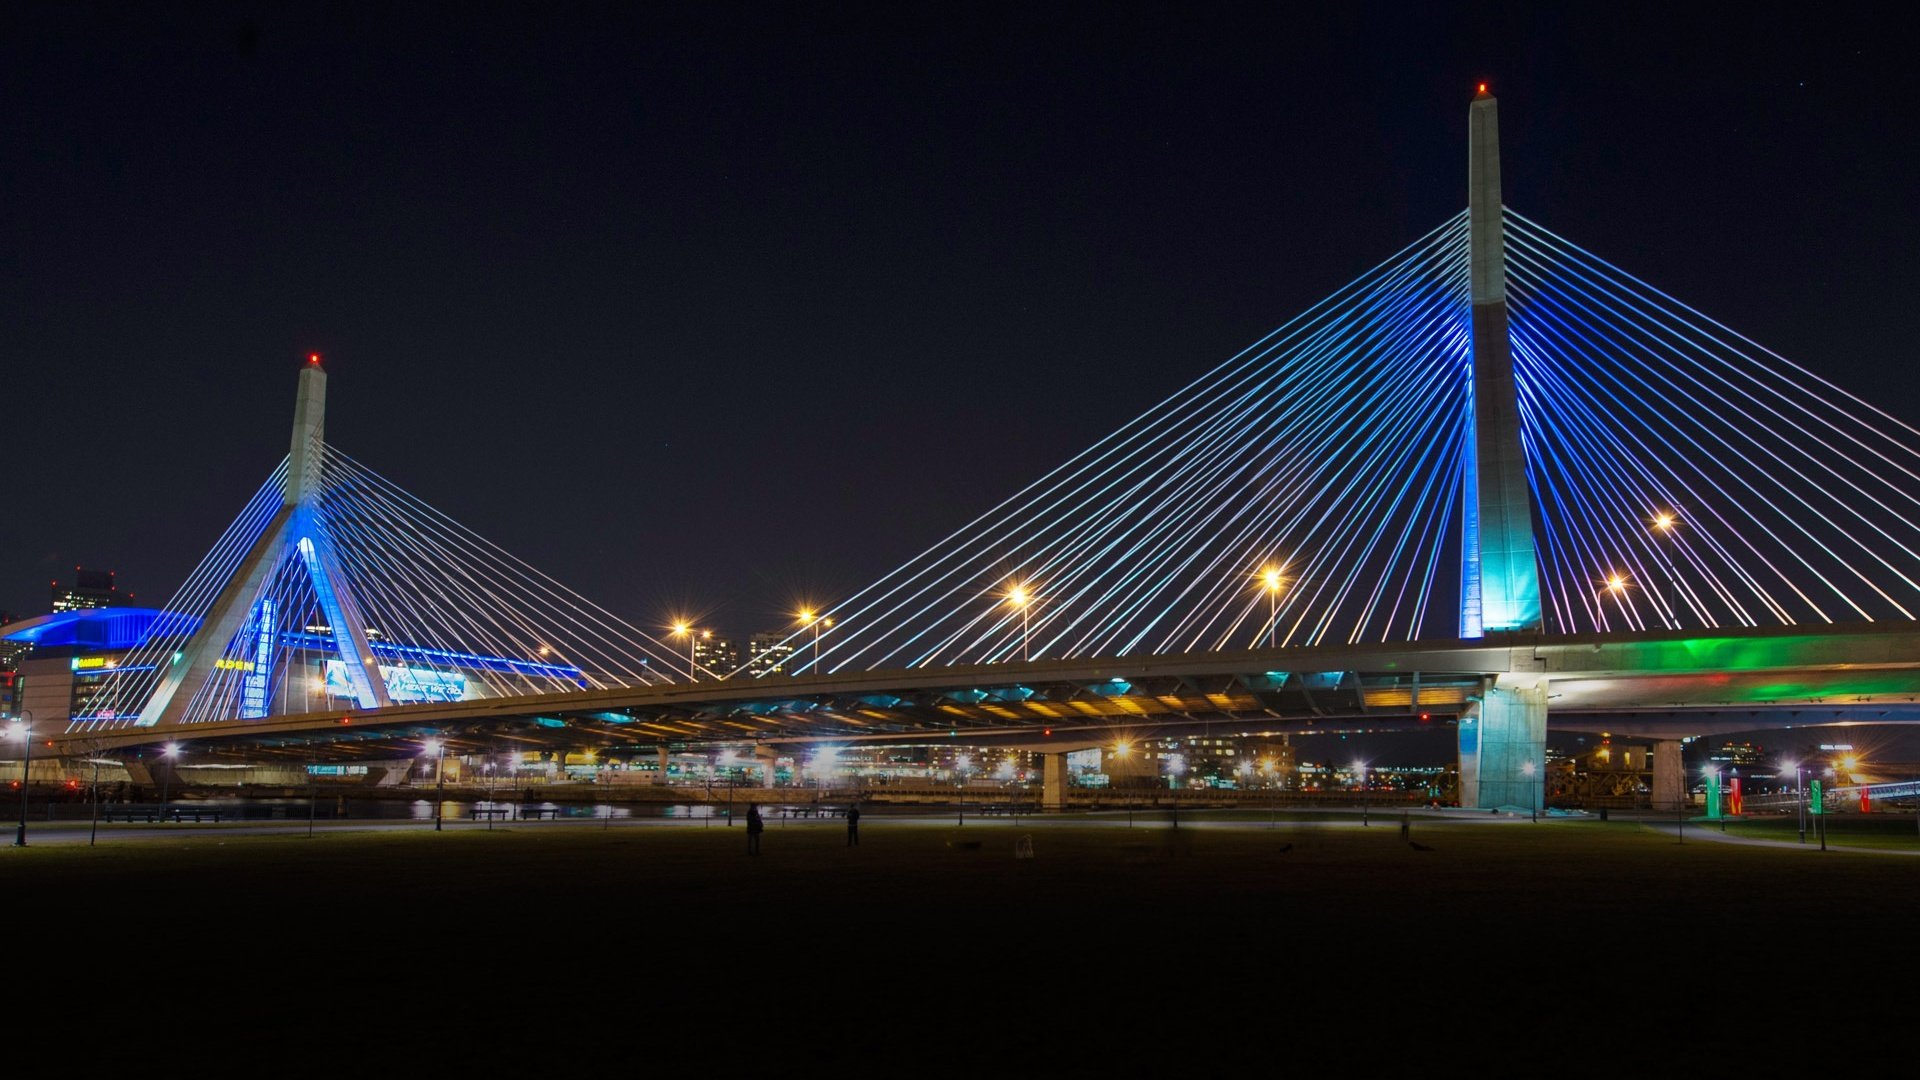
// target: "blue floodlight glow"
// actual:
[[103, 629], [390, 651]]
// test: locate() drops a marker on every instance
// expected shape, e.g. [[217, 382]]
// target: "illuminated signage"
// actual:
[[404, 684], [1836, 746], [90, 663], [226, 664]]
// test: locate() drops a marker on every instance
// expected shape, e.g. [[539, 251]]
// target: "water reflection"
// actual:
[[340, 808]]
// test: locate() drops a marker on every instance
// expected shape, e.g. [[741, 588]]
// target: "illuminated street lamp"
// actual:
[[681, 629], [1020, 598], [1533, 796], [439, 751], [1663, 524], [1176, 764], [809, 618], [26, 773], [1799, 796], [171, 751], [1123, 750], [1271, 576], [963, 764], [487, 768], [1360, 767], [727, 759]]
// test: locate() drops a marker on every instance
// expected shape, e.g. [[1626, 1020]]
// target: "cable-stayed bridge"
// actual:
[[1492, 478]]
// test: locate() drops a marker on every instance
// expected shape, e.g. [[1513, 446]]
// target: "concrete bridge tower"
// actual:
[[1502, 740], [297, 530]]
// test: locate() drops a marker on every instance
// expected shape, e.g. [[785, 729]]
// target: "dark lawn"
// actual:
[[1133, 947]]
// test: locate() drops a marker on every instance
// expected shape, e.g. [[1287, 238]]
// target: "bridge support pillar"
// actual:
[[766, 756], [1503, 746], [1054, 774], [1669, 776], [665, 760]]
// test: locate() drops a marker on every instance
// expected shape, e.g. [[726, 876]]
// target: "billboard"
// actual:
[[405, 685]]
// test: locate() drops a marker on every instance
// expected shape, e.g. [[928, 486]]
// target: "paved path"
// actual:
[[1705, 833]]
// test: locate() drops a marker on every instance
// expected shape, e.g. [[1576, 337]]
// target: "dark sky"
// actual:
[[720, 308]]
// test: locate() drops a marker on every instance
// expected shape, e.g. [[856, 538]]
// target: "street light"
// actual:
[[727, 760], [963, 764], [1176, 764], [1273, 797], [171, 751], [439, 751], [487, 767], [1533, 797], [1020, 598], [26, 773], [1799, 799], [809, 618], [681, 629], [1361, 768], [1271, 575], [93, 796]]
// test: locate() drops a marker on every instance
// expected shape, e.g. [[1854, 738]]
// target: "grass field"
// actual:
[[1166, 941]]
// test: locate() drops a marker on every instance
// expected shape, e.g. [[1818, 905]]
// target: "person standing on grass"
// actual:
[[853, 825], [754, 828]]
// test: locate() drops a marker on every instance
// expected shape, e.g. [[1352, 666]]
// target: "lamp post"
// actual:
[[809, 618], [962, 765], [1272, 578], [1176, 764], [1273, 796], [1533, 796], [439, 749], [727, 759], [487, 767], [1020, 598], [26, 773], [171, 752], [1361, 767], [93, 796], [1123, 750], [1663, 523], [683, 630]]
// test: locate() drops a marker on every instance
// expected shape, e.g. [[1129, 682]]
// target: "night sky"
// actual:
[[720, 309]]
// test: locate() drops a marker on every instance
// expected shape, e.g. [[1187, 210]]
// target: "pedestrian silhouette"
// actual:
[[853, 825], [754, 827]]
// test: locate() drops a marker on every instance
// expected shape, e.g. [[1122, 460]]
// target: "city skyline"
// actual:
[[784, 479]]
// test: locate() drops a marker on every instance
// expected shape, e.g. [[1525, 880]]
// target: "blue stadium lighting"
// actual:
[[101, 629]]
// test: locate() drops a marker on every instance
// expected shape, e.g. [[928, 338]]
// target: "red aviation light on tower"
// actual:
[[1483, 88], [313, 359]]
